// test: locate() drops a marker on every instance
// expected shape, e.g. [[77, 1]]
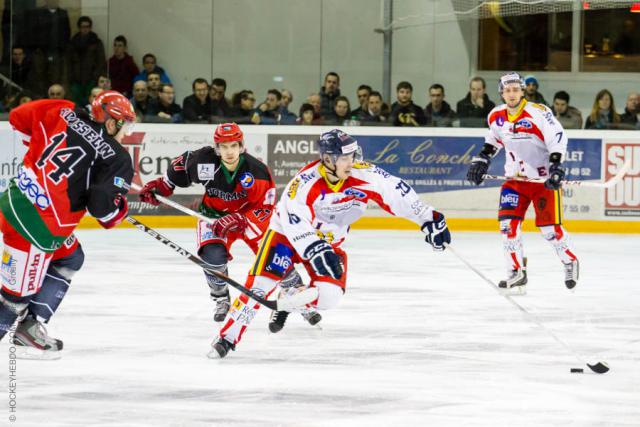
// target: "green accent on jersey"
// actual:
[[228, 174], [210, 212], [26, 220]]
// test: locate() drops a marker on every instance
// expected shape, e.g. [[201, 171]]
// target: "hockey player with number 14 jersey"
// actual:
[[311, 222], [535, 144]]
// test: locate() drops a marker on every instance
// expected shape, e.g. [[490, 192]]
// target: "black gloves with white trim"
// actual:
[[556, 172], [480, 164]]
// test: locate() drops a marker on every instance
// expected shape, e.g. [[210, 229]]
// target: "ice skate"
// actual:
[[223, 303], [515, 284], [220, 348], [312, 317], [571, 273], [277, 320], [33, 342]]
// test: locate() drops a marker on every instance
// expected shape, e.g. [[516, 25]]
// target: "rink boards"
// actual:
[[433, 160]]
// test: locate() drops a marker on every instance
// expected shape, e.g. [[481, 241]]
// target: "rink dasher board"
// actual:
[[433, 160]]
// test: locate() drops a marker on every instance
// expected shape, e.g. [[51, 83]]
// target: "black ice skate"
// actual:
[[277, 321], [220, 349], [515, 284], [33, 342], [571, 273], [223, 303], [312, 317]]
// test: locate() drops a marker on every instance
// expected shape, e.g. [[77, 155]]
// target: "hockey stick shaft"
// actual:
[[523, 310], [206, 267], [177, 206], [607, 184]]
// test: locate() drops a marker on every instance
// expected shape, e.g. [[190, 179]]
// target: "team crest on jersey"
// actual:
[[524, 123], [355, 193], [247, 180], [499, 120], [207, 171], [509, 199]]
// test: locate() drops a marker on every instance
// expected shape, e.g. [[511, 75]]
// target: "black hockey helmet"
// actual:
[[337, 143]]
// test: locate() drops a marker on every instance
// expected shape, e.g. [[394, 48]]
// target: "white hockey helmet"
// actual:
[[510, 78]]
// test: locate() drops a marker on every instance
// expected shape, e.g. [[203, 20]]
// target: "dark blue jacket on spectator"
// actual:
[[144, 75]]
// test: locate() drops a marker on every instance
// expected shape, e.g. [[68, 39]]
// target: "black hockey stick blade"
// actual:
[[186, 254], [599, 368]]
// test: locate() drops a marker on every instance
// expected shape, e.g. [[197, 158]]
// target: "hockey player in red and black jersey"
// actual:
[[74, 164], [239, 195]]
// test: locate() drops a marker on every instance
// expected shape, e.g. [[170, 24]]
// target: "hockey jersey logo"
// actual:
[[29, 186], [207, 171], [246, 180]]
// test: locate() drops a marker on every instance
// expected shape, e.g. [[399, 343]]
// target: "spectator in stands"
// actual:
[[149, 65], [307, 114], [86, 60], [122, 69], [167, 108], [363, 93], [196, 108], [630, 119], [242, 107], [373, 112], [92, 95], [104, 82], [341, 112], [268, 113], [56, 91], [15, 100], [531, 93], [20, 70], [219, 105], [45, 35], [287, 117], [603, 113], [153, 84], [438, 112], [473, 109], [404, 112], [316, 100], [568, 116], [328, 94], [142, 103]]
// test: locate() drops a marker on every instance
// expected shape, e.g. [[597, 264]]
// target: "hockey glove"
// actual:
[[479, 167], [437, 232], [556, 172], [232, 222], [159, 186], [324, 260], [117, 216]]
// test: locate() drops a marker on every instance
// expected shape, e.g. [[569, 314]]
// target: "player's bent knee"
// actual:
[[67, 267], [329, 295], [214, 254]]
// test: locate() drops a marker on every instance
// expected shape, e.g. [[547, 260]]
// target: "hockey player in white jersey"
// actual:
[[535, 144], [311, 222]]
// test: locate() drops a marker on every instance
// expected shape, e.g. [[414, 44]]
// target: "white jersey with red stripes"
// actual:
[[528, 138], [311, 207]]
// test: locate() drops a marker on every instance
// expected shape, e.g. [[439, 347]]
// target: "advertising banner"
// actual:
[[622, 199]]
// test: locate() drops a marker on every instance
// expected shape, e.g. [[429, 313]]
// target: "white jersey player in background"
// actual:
[[312, 220], [535, 144]]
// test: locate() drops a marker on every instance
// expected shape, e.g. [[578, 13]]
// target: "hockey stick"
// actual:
[[294, 302], [598, 367], [177, 206], [607, 184]]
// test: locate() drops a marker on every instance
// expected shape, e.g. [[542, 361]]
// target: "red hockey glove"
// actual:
[[159, 186], [116, 218], [232, 222]]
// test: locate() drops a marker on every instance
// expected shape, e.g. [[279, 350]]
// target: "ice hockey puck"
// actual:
[[577, 370]]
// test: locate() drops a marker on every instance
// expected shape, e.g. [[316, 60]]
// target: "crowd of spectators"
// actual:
[[48, 62]]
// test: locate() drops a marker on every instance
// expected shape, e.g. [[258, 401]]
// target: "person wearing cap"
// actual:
[[313, 220], [531, 93]]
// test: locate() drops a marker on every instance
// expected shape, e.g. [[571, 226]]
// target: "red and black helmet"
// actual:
[[226, 133], [114, 105]]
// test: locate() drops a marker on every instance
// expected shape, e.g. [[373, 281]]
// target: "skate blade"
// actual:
[[515, 291], [32, 353]]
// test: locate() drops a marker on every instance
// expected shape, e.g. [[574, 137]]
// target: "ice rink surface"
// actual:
[[418, 340]]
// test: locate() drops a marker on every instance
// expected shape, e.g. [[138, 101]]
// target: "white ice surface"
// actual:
[[418, 340]]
